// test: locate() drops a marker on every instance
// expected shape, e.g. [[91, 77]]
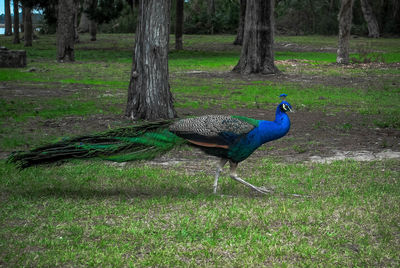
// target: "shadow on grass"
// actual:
[[112, 192]]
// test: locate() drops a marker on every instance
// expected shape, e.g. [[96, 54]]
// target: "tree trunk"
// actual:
[[313, 14], [16, 23], [257, 54], [179, 24], [345, 17], [22, 24], [149, 95], [93, 25], [28, 33], [84, 21], [76, 23], [373, 27], [239, 35], [65, 30], [211, 14], [93, 30], [7, 19]]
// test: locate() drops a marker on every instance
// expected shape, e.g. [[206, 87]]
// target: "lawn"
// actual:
[[163, 212]]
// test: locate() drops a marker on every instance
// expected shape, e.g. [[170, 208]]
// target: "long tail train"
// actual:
[[143, 141]]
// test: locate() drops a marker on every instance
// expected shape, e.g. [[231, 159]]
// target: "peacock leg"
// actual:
[[237, 178], [220, 166]]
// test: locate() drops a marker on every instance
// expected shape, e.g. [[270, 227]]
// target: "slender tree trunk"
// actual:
[[22, 24], [239, 35], [149, 95], [16, 23], [65, 30], [211, 14], [257, 54], [28, 33], [84, 21], [373, 27], [93, 30], [76, 23], [313, 15], [7, 19], [345, 18], [179, 24], [93, 25]]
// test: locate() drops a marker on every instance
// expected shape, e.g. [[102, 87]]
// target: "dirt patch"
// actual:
[[313, 133], [318, 134], [9, 91], [307, 80]]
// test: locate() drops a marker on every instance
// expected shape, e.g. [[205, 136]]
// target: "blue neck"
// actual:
[[281, 117], [269, 131]]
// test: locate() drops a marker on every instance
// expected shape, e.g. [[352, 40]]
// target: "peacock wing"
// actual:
[[213, 130]]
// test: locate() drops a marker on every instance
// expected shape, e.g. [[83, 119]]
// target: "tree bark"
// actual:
[[93, 25], [345, 18], [239, 35], [28, 33], [84, 21], [257, 54], [16, 23], [7, 19], [76, 23], [211, 14], [179, 25], [149, 95], [65, 31], [373, 27], [22, 24]]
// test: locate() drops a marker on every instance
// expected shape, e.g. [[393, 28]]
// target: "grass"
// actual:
[[95, 213]]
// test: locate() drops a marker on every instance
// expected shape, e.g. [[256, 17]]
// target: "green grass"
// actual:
[[88, 213], [95, 213]]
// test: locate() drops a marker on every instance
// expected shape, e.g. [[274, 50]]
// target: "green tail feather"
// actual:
[[143, 141]]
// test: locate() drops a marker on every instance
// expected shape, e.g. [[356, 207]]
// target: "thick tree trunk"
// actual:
[[257, 54], [239, 35], [65, 30], [149, 95], [179, 25], [211, 14], [16, 23], [7, 19], [345, 18], [373, 27], [28, 33]]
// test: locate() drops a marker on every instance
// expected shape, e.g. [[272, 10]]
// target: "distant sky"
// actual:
[[2, 7], [11, 8]]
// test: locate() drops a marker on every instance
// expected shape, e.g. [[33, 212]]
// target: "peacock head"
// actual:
[[285, 106]]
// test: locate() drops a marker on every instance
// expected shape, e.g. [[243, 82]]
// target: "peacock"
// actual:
[[231, 138]]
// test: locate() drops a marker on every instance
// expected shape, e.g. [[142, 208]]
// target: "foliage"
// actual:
[[103, 11], [296, 17], [225, 19], [125, 23]]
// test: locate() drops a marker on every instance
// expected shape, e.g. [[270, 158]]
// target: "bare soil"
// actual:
[[313, 133]]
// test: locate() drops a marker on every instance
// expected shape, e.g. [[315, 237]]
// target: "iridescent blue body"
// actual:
[[240, 146], [265, 132]]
